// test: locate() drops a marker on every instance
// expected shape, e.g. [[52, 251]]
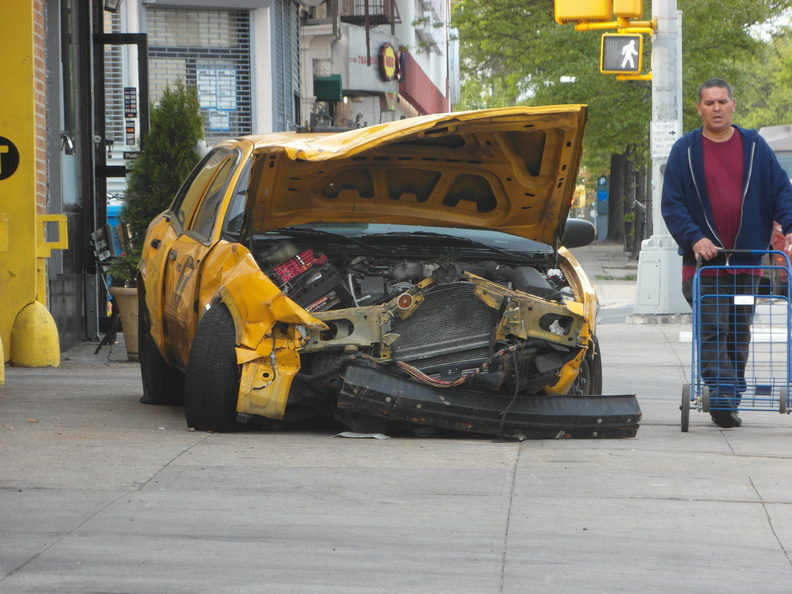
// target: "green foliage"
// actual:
[[168, 154], [515, 53], [768, 101]]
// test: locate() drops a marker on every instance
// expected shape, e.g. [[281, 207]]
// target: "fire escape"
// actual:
[[368, 14]]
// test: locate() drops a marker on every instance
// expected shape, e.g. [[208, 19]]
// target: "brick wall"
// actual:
[[40, 98]]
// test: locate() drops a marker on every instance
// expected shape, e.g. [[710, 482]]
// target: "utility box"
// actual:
[[582, 11], [628, 9]]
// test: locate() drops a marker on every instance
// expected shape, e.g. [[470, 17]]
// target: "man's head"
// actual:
[[716, 105], [715, 83]]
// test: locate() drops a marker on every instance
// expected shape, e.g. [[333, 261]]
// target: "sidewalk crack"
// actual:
[[508, 515], [770, 521]]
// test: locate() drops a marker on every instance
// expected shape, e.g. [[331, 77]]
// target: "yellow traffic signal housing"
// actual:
[[582, 11], [628, 9], [621, 54]]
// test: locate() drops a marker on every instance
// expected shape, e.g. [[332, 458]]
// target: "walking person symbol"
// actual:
[[629, 52]]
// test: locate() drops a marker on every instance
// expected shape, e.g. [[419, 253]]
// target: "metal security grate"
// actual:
[[286, 64], [114, 81], [210, 49]]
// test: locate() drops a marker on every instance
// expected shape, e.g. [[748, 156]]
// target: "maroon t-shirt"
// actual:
[[723, 172]]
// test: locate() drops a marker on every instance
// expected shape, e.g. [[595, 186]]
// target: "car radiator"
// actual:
[[451, 330]]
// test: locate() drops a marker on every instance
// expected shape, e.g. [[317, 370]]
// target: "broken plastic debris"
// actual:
[[362, 435]]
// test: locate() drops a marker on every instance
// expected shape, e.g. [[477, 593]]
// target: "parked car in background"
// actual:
[[404, 275], [780, 140]]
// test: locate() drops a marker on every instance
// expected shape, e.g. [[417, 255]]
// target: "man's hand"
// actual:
[[708, 250], [788, 243]]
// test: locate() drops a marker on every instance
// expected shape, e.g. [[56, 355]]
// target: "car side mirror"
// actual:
[[577, 233]]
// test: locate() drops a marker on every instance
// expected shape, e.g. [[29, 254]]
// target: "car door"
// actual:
[[184, 257]]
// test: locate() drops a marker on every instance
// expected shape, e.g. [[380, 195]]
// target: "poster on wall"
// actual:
[[217, 93]]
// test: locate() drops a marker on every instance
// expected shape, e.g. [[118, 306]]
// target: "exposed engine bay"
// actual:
[[444, 321]]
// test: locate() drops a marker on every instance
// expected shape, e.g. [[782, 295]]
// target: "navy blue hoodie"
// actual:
[[686, 207]]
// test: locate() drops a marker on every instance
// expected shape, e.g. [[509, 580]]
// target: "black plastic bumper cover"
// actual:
[[370, 391]]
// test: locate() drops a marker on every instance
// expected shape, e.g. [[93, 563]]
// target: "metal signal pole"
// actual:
[[659, 285]]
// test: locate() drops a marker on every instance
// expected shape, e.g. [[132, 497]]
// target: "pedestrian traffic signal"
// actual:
[[582, 11], [621, 54]]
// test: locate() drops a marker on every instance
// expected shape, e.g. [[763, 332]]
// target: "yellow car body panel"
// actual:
[[524, 160], [152, 269], [268, 358], [587, 307]]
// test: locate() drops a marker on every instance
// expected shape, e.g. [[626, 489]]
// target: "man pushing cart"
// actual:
[[722, 189]]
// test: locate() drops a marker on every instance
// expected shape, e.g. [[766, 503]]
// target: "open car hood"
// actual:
[[512, 169]]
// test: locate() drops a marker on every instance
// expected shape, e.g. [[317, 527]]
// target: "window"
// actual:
[[193, 187], [233, 222], [207, 211]]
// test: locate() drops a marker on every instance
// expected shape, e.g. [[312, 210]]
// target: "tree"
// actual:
[[168, 154], [768, 102]]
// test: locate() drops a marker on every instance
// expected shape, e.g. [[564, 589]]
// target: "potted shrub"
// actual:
[[168, 154]]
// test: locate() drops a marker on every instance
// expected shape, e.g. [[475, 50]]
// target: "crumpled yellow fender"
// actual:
[[589, 308], [266, 350]]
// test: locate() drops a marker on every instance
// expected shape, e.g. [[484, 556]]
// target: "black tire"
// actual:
[[162, 384], [589, 380], [783, 395], [685, 408], [705, 399], [212, 385]]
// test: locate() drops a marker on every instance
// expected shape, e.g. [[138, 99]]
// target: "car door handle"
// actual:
[[172, 255], [155, 243]]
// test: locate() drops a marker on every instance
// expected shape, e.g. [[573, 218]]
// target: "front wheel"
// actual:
[[589, 379], [212, 386]]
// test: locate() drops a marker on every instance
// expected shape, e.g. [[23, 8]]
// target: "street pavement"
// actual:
[[99, 493]]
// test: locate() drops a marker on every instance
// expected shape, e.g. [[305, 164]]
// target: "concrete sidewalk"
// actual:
[[101, 493]]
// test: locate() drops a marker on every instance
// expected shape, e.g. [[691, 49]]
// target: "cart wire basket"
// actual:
[[740, 338]]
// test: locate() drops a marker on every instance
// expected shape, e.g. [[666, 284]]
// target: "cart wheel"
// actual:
[[783, 395], [705, 399], [685, 408]]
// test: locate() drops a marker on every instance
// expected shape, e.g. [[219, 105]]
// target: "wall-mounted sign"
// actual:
[[217, 88], [387, 62], [130, 133], [9, 158], [130, 102]]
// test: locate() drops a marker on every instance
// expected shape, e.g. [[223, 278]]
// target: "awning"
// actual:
[[328, 88]]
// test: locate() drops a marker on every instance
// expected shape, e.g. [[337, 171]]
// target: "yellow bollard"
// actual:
[[34, 338]]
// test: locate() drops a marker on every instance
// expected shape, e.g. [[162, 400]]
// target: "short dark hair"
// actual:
[[715, 82]]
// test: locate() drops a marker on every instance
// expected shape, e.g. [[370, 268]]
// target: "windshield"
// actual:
[[369, 232]]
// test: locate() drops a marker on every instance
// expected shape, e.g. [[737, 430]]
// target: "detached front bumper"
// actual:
[[370, 391]]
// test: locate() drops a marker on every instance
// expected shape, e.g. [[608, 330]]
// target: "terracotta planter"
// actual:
[[127, 301]]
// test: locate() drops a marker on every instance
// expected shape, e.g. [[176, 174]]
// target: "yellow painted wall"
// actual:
[[22, 179]]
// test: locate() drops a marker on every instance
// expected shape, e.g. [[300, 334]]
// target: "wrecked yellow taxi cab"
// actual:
[[405, 275]]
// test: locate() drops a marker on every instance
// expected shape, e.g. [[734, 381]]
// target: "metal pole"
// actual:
[[659, 286]]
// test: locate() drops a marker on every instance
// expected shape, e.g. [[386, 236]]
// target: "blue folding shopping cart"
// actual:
[[740, 338]]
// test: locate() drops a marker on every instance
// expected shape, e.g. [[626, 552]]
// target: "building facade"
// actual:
[[87, 71], [367, 62]]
